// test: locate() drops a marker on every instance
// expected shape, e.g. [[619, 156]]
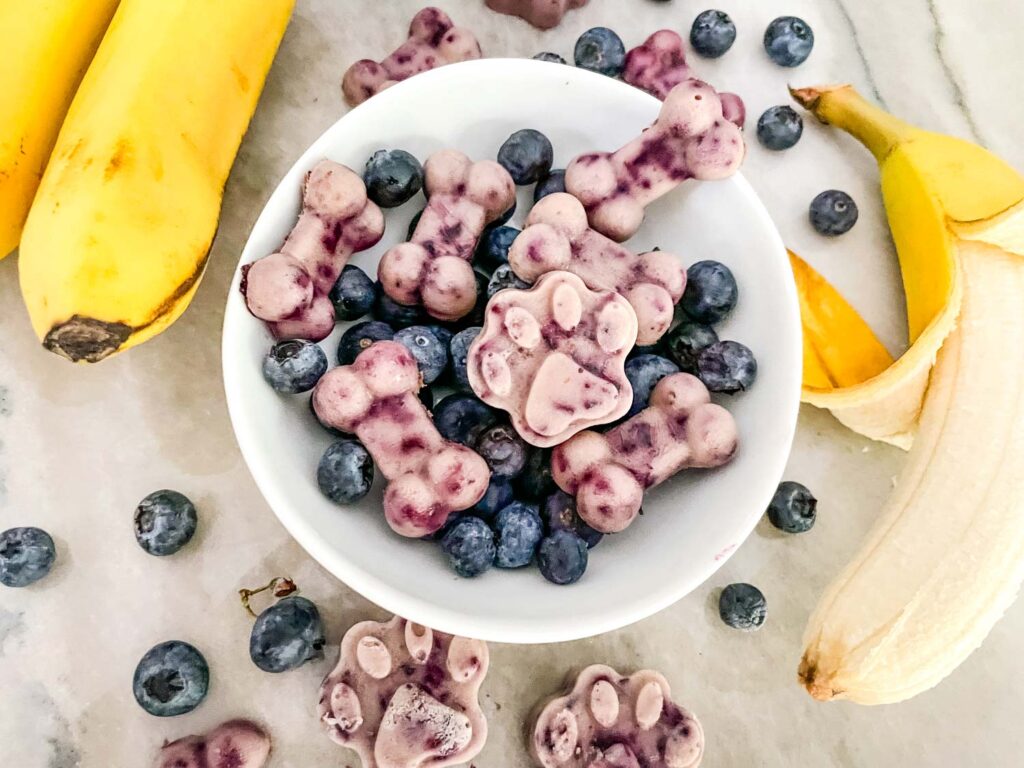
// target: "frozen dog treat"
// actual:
[[557, 236], [288, 289], [433, 269], [543, 14], [375, 399], [434, 41], [608, 473], [608, 720], [553, 357], [405, 696], [235, 744], [691, 139]]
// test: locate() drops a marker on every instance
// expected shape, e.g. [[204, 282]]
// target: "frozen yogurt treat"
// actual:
[[434, 40], [543, 14], [608, 473], [405, 696], [235, 744], [375, 399]]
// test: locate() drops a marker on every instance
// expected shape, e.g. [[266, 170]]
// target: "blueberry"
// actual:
[[711, 292], [503, 449], [727, 366], [549, 56], [560, 514], [499, 495], [493, 249], [562, 557], [657, 348], [171, 679], [600, 50], [686, 341], [26, 556], [389, 311], [287, 635], [443, 334], [535, 481], [549, 185], [788, 41], [450, 523], [779, 127], [413, 223], [518, 531], [345, 473], [430, 354], [793, 508], [503, 278], [833, 213], [742, 606], [469, 545], [359, 337], [392, 177], [526, 155], [353, 294], [643, 373], [426, 395], [461, 418], [165, 521], [459, 349], [294, 365], [712, 34]]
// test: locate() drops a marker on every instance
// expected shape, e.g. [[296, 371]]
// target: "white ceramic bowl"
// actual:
[[691, 524]]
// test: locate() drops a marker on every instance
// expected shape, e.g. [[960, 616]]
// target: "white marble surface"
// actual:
[[80, 446]]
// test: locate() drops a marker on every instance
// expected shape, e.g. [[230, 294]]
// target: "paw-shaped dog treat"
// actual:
[[557, 237], [608, 473], [375, 399], [433, 269], [235, 744], [434, 41], [543, 14], [608, 720], [554, 357], [288, 289], [405, 696], [691, 139]]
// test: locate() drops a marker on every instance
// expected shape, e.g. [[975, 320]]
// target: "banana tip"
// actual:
[[809, 97]]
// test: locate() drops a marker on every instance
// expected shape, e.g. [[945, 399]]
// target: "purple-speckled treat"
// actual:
[[288, 289], [608, 720], [375, 399], [543, 14], [608, 473], [235, 744], [557, 236], [691, 139], [433, 269], [434, 41], [405, 696]]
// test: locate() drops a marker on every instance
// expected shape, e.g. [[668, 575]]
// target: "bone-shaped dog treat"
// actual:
[[691, 139], [375, 399], [288, 289], [434, 41], [608, 720], [608, 473], [405, 696], [235, 744], [554, 357], [543, 14], [557, 237], [433, 269]]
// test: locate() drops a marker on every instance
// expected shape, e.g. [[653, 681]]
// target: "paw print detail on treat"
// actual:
[[608, 473], [237, 743], [553, 357], [543, 14], [691, 139], [433, 269], [557, 237], [608, 720], [434, 41], [405, 696], [289, 289], [375, 399]]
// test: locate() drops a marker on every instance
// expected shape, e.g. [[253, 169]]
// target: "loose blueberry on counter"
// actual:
[[600, 50], [518, 530], [353, 294], [171, 679], [287, 635], [461, 418], [711, 292], [742, 606], [527, 156], [345, 472], [788, 41], [562, 557], [712, 34], [686, 341], [26, 555], [413, 222], [389, 311], [793, 508], [549, 185], [643, 373], [503, 449], [779, 127], [430, 354], [493, 249], [359, 337], [392, 176], [294, 365], [560, 514], [165, 521], [503, 278], [833, 212], [535, 482], [499, 495], [549, 56], [727, 366], [469, 545], [459, 349]]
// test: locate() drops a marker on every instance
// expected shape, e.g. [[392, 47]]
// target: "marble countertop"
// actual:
[[80, 446]]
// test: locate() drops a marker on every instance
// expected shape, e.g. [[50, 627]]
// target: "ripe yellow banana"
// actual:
[[118, 236], [47, 46]]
